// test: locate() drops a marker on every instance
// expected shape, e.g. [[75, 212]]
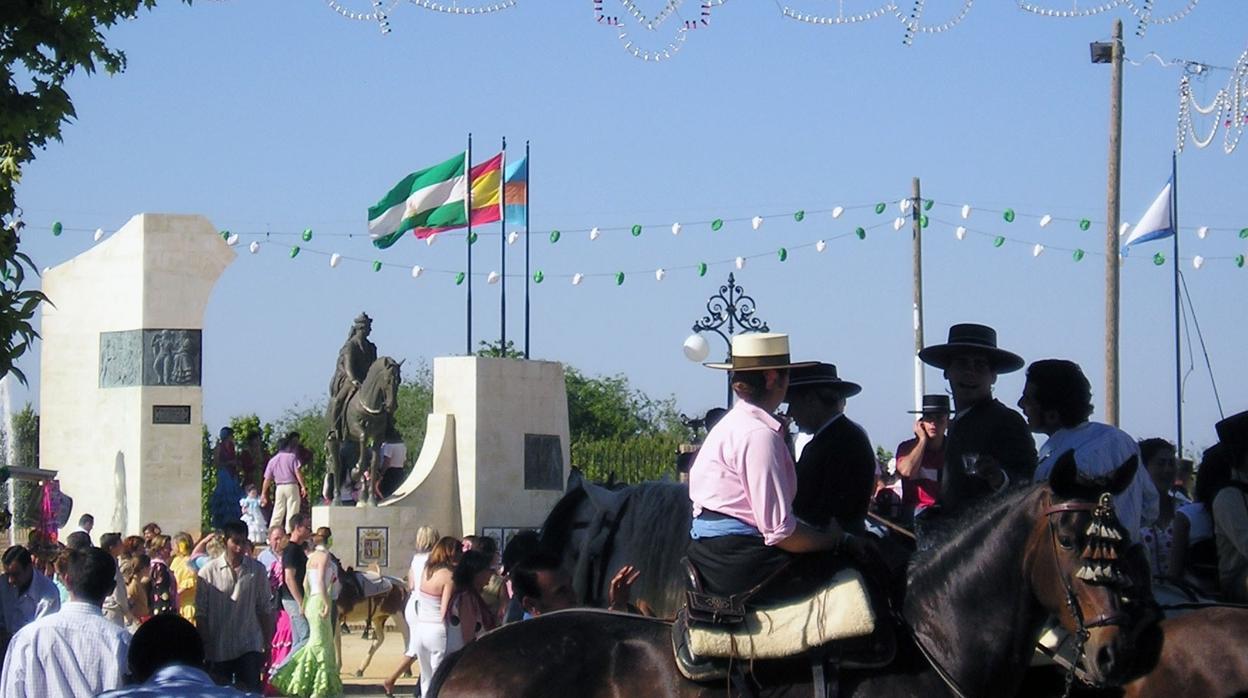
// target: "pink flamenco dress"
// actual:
[[312, 671], [282, 637]]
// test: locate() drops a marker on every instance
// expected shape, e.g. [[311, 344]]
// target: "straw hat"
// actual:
[[759, 351]]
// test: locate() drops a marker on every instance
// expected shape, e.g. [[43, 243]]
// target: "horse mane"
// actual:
[[965, 532], [657, 519], [555, 529]]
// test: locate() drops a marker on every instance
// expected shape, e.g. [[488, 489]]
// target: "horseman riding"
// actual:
[[363, 397]]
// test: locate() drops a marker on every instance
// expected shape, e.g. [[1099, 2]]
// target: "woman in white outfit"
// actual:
[[434, 593], [426, 538]]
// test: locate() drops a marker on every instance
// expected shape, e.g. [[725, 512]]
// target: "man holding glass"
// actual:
[[988, 446]]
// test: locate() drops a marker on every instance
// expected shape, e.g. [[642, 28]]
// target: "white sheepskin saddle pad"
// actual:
[[839, 611], [374, 584]]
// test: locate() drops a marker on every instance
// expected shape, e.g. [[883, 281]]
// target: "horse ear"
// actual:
[[575, 480], [1064, 479], [1124, 475]]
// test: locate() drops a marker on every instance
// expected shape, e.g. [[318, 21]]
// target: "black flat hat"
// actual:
[[1233, 432], [969, 338], [934, 404], [821, 374]]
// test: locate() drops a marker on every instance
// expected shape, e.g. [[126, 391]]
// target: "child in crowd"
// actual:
[[252, 516], [135, 570]]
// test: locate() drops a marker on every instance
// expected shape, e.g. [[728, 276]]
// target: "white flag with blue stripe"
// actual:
[[1158, 221]]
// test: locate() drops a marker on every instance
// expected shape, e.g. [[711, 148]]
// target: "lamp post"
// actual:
[[728, 312]]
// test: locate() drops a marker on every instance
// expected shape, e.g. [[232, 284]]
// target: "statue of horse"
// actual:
[[368, 415], [974, 603]]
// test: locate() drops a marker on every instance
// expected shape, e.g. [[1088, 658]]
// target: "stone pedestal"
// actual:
[[121, 402], [495, 459]]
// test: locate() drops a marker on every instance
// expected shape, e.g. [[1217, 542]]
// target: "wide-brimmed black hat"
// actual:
[[1233, 432], [966, 338], [934, 404], [821, 374]]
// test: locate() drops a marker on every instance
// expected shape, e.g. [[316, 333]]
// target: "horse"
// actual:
[[974, 604], [597, 530], [355, 606], [368, 415]]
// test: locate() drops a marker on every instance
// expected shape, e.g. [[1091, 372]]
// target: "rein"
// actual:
[[1102, 511]]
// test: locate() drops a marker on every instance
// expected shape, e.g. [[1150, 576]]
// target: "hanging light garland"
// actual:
[[1229, 108]]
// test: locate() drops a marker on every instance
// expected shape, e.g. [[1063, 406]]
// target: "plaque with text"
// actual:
[[543, 462], [171, 414]]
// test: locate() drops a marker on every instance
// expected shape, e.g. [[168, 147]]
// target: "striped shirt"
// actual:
[[76, 652]]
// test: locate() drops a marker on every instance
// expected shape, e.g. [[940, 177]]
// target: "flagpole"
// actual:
[[1178, 352], [502, 245], [468, 241], [527, 183]]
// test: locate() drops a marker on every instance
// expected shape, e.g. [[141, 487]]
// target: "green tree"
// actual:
[[42, 43], [26, 438], [208, 480]]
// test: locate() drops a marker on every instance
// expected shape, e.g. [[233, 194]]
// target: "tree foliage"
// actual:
[[42, 43]]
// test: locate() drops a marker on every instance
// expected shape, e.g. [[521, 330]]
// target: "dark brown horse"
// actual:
[[1202, 653], [974, 605]]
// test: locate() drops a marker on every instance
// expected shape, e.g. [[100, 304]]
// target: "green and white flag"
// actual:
[[425, 202]]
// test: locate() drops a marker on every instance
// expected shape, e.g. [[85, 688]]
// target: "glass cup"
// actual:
[[970, 464]]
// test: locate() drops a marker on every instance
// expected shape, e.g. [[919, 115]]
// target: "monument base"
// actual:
[[363, 536]]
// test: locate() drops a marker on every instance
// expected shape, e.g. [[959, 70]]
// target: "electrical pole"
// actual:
[[1111, 230], [916, 220]]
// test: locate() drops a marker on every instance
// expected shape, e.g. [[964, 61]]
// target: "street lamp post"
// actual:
[[728, 312]]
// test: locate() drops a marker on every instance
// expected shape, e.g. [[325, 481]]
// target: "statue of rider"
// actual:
[[354, 360]]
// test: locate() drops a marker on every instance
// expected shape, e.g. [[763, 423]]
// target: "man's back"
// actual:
[[835, 476], [75, 652]]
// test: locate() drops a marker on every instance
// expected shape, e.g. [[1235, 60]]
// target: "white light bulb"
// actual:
[[254, 247], [334, 259], [966, 211], [696, 348], [1037, 250], [675, 229], [960, 232], [99, 233], [1045, 220], [417, 271], [429, 240], [898, 222], [492, 277], [1198, 262], [1202, 231], [904, 205], [232, 239], [659, 274], [740, 262], [1122, 229], [512, 237], [594, 233], [756, 222], [836, 212], [577, 278], [821, 246]]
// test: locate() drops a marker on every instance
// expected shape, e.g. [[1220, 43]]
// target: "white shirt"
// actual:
[[76, 652], [40, 599], [1099, 450], [395, 452]]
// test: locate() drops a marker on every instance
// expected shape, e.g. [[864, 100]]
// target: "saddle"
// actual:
[[373, 583], [840, 625]]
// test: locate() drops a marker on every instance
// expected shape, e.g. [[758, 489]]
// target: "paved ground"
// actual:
[[384, 662]]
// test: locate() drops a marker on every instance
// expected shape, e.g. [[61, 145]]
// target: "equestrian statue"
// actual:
[[363, 397]]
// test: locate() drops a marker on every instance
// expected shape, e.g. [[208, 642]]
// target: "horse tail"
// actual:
[[439, 676]]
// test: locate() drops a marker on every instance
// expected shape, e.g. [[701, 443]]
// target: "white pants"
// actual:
[[430, 641], [285, 505]]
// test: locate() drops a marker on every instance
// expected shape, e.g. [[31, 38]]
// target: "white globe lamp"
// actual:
[[696, 348]]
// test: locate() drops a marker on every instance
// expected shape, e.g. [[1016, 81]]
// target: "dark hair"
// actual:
[[750, 385], [224, 433], [78, 540], [234, 529], [18, 554], [163, 640], [713, 416], [1214, 473], [92, 574], [286, 440], [470, 565], [827, 394], [1151, 447], [86, 519], [487, 545], [131, 545], [524, 576], [522, 544], [1059, 385], [151, 526], [108, 540], [298, 520]]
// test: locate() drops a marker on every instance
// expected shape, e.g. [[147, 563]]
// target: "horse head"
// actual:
[[1077, 564], [381, 386]]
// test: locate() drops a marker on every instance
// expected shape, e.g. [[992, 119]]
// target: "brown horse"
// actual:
[[1201, 653], [973, 606], [372, 611]]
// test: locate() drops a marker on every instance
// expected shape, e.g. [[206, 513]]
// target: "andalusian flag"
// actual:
[[425, 202]]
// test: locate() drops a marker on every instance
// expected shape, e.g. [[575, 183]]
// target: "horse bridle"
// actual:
[[1082, 626]]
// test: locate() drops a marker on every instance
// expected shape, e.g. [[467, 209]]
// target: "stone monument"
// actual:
[[120, 398], [494, 460]]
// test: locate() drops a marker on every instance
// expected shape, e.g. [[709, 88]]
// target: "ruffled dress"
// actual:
[[312, 671]]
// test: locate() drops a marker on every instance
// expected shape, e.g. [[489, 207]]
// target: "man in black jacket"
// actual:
[[836, 470], [988, 445]]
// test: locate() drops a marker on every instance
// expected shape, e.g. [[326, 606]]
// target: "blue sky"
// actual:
[[275, 117]]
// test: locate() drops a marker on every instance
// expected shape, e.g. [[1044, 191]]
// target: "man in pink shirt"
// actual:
[[284, 470], [742, 485]]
